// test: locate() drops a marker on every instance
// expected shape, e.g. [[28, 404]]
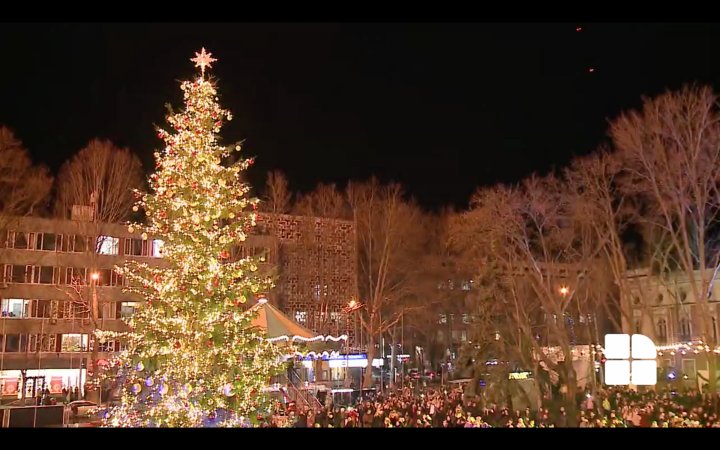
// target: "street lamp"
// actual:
[[352, 306], [91, 368]]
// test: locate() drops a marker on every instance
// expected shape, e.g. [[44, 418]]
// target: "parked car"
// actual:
[[82, 408]]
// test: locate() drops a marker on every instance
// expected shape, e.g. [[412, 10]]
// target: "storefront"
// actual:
[[54, 379]]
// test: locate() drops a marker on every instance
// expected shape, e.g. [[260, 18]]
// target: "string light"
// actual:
[[192, 349]]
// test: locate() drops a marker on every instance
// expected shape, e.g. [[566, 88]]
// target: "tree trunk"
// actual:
[[393, 358], [92, 390], [23, 394], [367, 379], [712, 371], [570, 403]]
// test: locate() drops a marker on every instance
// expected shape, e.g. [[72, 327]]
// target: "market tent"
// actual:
[[280, 327]]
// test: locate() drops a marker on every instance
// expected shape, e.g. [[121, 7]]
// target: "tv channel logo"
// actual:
[[630, 360]]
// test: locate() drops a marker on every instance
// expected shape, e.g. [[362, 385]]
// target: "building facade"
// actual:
[[53, 271], [665, 309]]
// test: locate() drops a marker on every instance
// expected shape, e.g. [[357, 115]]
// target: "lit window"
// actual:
[[74, 343], [300, 316], [157, 248], [15, 307], [127, 309], [108, 245]]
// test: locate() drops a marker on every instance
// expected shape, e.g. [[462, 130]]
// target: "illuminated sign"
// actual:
[[519, 375]]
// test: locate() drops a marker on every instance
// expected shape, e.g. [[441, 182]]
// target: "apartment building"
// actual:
[[50, 267]]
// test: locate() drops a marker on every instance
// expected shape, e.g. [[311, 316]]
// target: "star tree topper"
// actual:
[[203, 60]]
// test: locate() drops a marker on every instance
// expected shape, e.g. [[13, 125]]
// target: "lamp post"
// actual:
[[93, 393], [352, 306]]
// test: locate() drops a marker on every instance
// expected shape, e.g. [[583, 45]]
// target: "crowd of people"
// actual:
[[439, 408]]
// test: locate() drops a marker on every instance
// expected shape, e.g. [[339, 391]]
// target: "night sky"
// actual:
[[440, 108]]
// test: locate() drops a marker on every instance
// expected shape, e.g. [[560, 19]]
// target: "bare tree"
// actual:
[[24, 188], [671, 150], [95, 188], [278, 198], [542, 260], [101, 176], [389, 240]]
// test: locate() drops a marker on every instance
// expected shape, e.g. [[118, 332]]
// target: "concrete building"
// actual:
[[50, 269]]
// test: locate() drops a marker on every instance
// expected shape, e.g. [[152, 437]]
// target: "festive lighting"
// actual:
[[564, 290], [94, 276], [203, 60], [191, 348]]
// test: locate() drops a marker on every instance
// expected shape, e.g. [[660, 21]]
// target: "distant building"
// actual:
[[664, 308]]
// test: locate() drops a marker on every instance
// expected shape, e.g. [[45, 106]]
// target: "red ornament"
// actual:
[[209, 343], [224, 254], [177, 344], [194, 185], [163, 214]]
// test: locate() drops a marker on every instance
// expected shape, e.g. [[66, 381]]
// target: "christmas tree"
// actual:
[[192, 353]]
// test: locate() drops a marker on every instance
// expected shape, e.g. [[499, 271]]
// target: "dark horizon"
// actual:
[[441, 108]]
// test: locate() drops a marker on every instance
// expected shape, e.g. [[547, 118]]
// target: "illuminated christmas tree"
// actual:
[[192, 353]]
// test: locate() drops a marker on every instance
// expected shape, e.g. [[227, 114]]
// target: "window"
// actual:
[[107, 347], [19, 240], [80, 243], [334, 316], [466, 318], [662, 330], [67, 243], [42, 309], [134, 247], [685, 329], [73, 343], [108, 245], [15, 307], [106, 310], [105, 277], [47, 275], [42, 342], [157, 248], [300, 316], [15, 343], [15, 273], [45, 241], [443, 319], [127, 309], [75, 275]]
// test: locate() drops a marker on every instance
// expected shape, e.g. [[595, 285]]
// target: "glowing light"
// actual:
[[94, 276], [564, 290], [203, 60]]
